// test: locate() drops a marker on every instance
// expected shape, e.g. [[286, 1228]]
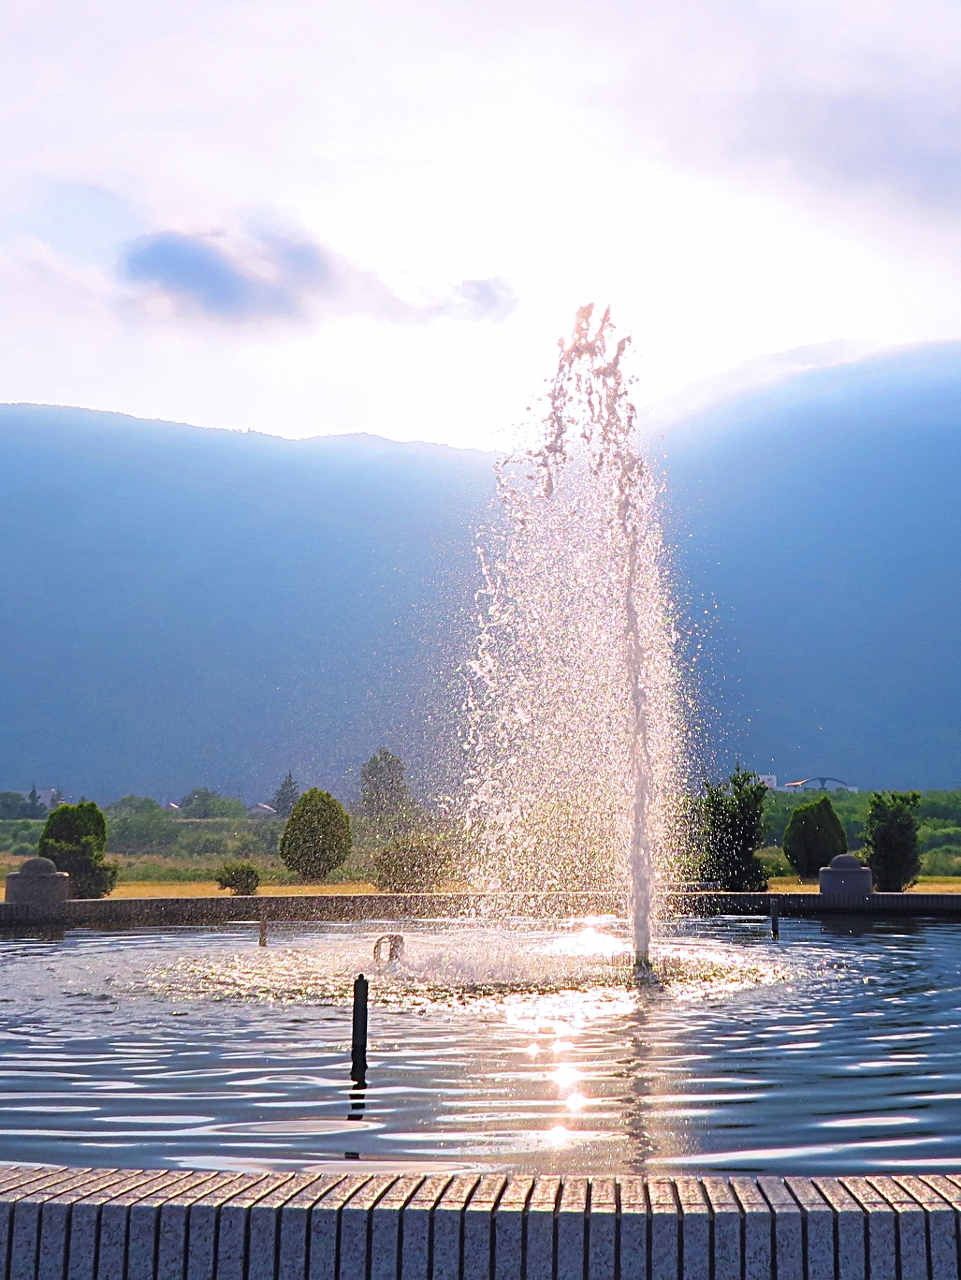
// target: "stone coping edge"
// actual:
[[141, 1224], [126, 913]]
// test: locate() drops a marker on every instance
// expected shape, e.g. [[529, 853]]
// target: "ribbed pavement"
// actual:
[[140, 1224]]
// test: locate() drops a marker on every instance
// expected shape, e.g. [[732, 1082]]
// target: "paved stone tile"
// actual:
[[695, 1229], [385, 1227], [725, 1228], [294, 1249], [25, 1227], [665, 1230], [263, 1223], [23, 1187], [756, 1229], [234, 1223], [324, 1235], [447, 1253], [417, 1227], [114, 1218], [55, 1220], [942, 1231], [173, 1229], [788, 1230], [85, 1224], [950, 1193], [479, 1227], [355, 1222], [634, 1235], [881, 1238], [571, 1229], [509, 1229], [143, 1223], [818, 1238], [203, 1225], [602, 1230], [911, 1238], [850, 1229], [541, 1228]]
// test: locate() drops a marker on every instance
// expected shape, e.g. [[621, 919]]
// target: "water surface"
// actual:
[[829, 1051]]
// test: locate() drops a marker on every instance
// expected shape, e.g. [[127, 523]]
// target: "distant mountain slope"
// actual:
[[184, 607], [824, 516]]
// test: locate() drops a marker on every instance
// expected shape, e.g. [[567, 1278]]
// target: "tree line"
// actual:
[[311, 831], [730, 828]]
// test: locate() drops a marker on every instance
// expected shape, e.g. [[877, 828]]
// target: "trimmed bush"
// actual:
[[891, 835], [414, 864], [240, 878], [813, 837], [732, 830], [316, 839], [73, 839]]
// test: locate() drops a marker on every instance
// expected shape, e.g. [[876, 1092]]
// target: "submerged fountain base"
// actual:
[[105, 1224]]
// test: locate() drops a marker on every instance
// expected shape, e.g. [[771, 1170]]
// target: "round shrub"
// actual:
[[414, 864], [316, 839], [813, 837], [241, 878], [73, 839]]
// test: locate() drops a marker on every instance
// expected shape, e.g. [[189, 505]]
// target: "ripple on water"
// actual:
[[494, 1047]]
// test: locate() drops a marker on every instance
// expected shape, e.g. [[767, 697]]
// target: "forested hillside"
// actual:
[[184, 607]]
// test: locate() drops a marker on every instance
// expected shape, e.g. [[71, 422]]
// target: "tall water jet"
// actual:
[[574, 728]]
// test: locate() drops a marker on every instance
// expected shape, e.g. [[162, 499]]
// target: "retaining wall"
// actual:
[[111, 1224], [128, 913]]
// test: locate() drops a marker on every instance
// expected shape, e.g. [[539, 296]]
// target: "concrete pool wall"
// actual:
[[112, 1224], [125, 913]]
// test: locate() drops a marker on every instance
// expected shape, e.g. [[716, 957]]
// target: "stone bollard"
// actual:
[[846, 876], [38, 887]]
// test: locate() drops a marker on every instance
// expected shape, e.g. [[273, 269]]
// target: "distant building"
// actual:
[[769, 780]]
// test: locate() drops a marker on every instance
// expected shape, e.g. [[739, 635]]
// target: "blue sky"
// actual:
[[311, 218]]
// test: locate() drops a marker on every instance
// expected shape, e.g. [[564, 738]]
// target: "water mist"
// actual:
[[574, 731]]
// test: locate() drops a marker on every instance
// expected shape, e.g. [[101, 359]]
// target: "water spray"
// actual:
[[575, 736]]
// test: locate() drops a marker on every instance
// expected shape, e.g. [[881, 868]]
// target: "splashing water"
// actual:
[[575, 734]]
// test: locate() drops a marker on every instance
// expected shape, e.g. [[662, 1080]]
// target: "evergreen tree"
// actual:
[[316, 839], [814, 836], [891, 836], [733, 829], [73, 839], [383, 791], [286, 797], [35, 808], [204, 803]]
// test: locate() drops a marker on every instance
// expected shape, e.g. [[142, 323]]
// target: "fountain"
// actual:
[[575, 734], [498, 1097]]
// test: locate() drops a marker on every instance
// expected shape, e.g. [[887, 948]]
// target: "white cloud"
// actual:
[[737, 179]]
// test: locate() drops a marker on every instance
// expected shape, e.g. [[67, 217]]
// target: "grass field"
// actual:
[[926, 884], [208, 889]]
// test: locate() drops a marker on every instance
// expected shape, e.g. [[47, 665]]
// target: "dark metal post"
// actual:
[[263, 931], [358, 1039], [775, 930]]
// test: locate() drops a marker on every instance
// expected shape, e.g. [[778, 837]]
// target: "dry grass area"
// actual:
[[209, 889], [927, 884]]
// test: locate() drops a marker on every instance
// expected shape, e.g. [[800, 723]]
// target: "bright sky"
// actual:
[[305, 218]]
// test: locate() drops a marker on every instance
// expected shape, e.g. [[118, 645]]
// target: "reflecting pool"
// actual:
[[837, 1048]]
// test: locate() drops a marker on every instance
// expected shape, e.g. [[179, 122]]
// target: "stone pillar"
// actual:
[[38, 887], [846, 875]]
